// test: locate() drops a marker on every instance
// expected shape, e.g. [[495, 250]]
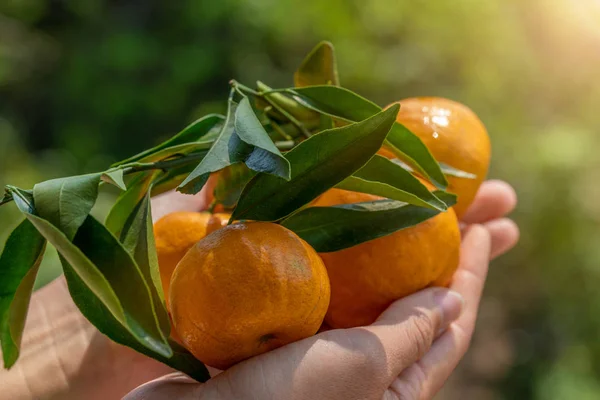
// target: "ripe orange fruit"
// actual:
[[246, 289], [455, 136], [176, 233], [366, 278]]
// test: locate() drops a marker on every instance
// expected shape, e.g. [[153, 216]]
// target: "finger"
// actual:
[[494, 199], [505, 235], [429, 374], [172, 386], [408, 327]]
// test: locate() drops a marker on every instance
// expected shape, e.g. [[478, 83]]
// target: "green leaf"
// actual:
[[451, 171], [242, 139], [109, 272], [128, 200], [22, 198], [19, 264], [171, 179], [335, 228], [318, 68], [346, 105], [318, 163], [265, 157], [177, 150], [230, 183], [385, 178], [286, 107], [99, 315], [137, 237], [204, 128], [66, 202], [115, 178]]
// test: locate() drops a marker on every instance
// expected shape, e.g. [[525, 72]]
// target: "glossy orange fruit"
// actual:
[[176, 233], [246, 289], [366, 278], [455, 136]]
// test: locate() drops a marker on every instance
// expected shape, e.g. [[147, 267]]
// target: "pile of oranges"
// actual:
[[235, 291]]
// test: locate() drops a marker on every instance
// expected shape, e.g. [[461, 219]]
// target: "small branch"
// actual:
[[184, 160], [169, 164], [6, 199], [289, 116], [240, 88], [279, 130]]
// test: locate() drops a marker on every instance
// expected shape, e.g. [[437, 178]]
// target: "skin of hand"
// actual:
[[408, 353]]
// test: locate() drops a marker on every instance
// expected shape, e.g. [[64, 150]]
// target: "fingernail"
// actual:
[[451, 304]]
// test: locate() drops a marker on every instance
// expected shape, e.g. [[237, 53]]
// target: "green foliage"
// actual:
[[66, 202], [318, 68], [341, 103], [19, 265], [186, 141], [230, 183], [128, 200], [386, 178], [334, 228], [242, 139], [137, 237], [318, 164]]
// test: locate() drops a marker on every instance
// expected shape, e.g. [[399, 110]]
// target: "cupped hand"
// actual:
[[408, 353]]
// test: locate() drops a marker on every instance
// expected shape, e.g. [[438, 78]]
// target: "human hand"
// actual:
[[408, 353]]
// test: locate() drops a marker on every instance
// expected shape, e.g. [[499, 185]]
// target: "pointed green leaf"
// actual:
[[265, 156], [318, 163], [171, 179], [19, 264], [385, 178], [218, 157], [318, 68], [100, 316], [111, 274], [344, 104], [66, 202], [178, 150], [22, 198], [137, 237], [204, 128], [230, 183], [335, 228], [115, 178], [128, 200], [249, 146]]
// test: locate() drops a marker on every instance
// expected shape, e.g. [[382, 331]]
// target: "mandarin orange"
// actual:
[[246, 289], [365, 279], [455, 136], [176, 233]]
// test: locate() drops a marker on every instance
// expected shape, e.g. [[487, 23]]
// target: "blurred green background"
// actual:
[[84, 83]]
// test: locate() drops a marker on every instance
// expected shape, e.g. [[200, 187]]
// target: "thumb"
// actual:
[[409, 326], [172, 386]]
